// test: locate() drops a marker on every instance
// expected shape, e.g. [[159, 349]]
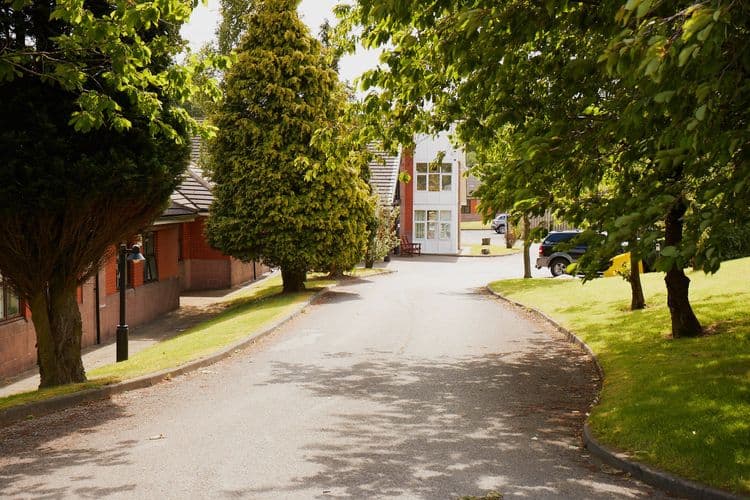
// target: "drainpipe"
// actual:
[[97, 316]]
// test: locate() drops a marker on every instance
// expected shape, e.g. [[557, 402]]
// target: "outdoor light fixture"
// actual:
[[125, 254]]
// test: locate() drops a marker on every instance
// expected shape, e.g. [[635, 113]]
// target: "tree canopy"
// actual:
[[94, 140], [290, 189], [615, 100]]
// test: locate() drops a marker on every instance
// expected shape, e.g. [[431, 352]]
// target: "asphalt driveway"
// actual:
[[416, 384]]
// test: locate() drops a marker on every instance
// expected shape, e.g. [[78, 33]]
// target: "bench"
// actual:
[[410, 249]]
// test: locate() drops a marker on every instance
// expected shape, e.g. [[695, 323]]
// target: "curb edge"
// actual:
[[35, 409], [662, 480]]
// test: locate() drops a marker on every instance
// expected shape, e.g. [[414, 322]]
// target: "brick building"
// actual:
[[178, 258]]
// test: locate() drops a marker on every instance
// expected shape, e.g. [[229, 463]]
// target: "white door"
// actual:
[[432, 228]]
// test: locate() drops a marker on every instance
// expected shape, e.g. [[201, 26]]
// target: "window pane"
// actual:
[[420, 215], [419, 230], [432, 215], [12, 307], [434, 182], [445, 231], [434, 168], [447, 182], [422, 167], [422, 182], [150, 272], [2, 302], [446, 168], [445, 216], [431, 229]]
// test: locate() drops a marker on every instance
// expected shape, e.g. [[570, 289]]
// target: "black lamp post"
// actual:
[[125, 254]]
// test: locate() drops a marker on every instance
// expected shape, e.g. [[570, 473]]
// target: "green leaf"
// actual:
[[669, 251], [700, 113], [643, 8], [665, 96], [685, 53], [705, 32], [632, 4]]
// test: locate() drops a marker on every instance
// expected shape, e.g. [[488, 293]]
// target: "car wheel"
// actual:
[[500, 230], [557, 266]]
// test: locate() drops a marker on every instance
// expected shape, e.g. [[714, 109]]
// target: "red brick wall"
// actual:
[[167, 252], [18, 342], [242, 272], [195, 245], [207, 274], [110, 275], [142, 304], [407, 194]]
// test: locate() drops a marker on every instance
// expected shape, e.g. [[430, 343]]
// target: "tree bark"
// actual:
[[637, 300], [57, 321], [684, 322], [510, 236], [293, 279], [526, 247]]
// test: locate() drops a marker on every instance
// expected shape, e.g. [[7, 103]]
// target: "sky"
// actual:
[[202, 25]]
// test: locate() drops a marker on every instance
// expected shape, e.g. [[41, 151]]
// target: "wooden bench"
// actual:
[[410, 249]]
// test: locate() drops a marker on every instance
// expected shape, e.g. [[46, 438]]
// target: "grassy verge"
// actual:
[[476, 249], [680, 405], [474, 225], [246, 313]]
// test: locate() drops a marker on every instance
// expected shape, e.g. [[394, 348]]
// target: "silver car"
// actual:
[[500, 223]]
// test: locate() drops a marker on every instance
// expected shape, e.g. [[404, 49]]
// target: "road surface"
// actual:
[[416, 384]]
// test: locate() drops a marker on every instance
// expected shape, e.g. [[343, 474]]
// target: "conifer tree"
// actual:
[[287, 192]]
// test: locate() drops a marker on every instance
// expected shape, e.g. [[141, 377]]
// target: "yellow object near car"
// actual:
[[620, 262]]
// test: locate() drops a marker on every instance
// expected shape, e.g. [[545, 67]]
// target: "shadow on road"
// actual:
[[457, 427], [29, 451]]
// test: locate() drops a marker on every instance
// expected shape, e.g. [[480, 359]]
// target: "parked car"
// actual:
[[500, 223], [559, 259]]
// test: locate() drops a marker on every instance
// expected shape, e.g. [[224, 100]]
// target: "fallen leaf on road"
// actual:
[[154, 438]]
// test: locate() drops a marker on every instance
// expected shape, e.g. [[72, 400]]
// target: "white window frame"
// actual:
[[434, 177]]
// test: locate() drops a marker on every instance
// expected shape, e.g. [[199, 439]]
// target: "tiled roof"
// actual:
[[194, 192], [177, 210], [195, 149], [384, 174]]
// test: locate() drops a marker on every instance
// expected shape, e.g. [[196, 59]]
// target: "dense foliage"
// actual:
[[614, 102], [290, 187], [93, 139]]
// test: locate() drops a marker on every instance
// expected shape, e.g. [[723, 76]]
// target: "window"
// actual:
[[10, 305], [434, 177], [432, 224], [150, 272]]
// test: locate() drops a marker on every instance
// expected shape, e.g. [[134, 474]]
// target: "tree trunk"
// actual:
[[637, 300], [526, 247], [369, 262], [335, 273], [684, 322], [510, 236], [293, 279], [57, 321]]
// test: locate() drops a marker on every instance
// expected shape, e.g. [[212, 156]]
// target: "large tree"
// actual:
[[678, 76], [289, 188], [92, 136]]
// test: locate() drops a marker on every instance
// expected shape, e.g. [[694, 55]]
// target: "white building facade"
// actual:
[[436, 175]]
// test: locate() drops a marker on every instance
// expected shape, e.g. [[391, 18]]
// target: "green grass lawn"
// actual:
[[476, 249], [247, 313], [474, 225], [680, 405]]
